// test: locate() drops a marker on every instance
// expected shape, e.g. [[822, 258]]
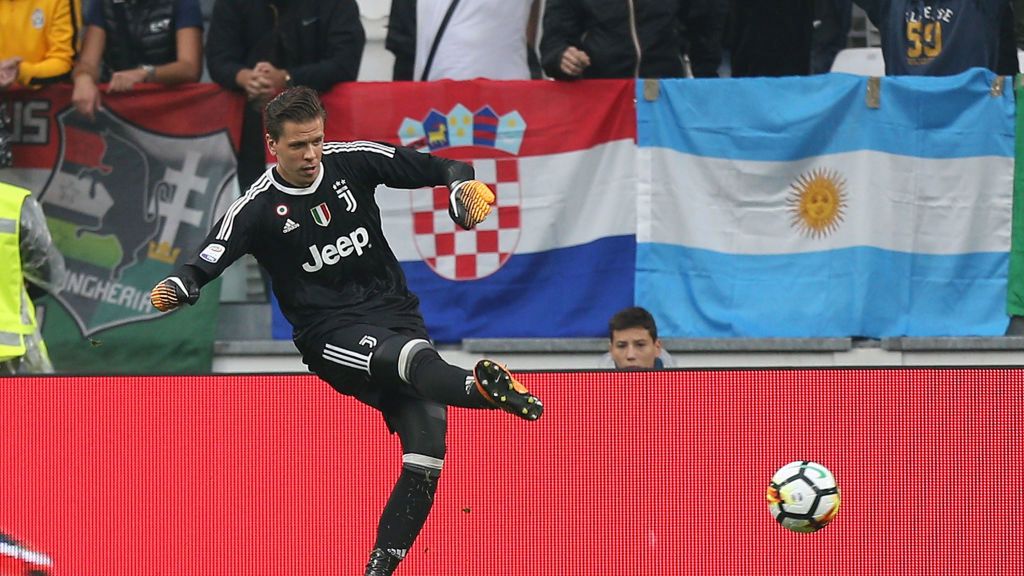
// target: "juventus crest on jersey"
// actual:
[[323, 245]]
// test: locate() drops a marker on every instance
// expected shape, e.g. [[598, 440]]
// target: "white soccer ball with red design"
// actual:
[[803, 496]]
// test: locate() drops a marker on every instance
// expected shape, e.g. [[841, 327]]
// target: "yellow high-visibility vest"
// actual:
[[17, 318]]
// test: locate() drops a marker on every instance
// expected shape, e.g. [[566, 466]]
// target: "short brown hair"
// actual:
[[298, 104], [633, 317]]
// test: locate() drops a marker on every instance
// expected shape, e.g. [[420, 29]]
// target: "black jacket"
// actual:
[[612, 32], [1018, 23], [1008, 65], [771, 37], [401, 38], [319, 42], [139, 33]]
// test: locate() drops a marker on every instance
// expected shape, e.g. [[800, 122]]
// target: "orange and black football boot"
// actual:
[[498, 385]]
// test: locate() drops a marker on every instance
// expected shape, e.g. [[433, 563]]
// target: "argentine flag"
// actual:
[[824, 207]]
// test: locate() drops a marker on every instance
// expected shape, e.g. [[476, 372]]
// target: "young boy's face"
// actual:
[[634, 349]]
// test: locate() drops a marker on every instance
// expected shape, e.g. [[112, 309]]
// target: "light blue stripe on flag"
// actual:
[[850, 292], [798, 117], [789, 208]]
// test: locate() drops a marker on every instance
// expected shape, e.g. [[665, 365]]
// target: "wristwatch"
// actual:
[[150, 71]]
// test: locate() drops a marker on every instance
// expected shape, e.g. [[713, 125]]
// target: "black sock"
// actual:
[[406, 512], [441, 382]]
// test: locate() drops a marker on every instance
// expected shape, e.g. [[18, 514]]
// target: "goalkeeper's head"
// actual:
[[295, 134], [300, 104]]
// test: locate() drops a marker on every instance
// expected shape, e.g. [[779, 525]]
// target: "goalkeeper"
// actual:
[[312, 222]]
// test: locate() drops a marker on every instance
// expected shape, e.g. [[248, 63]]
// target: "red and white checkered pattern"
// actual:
[[459, 254]]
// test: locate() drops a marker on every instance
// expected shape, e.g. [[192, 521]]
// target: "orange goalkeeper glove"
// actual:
[[172, 292], [469, 203]]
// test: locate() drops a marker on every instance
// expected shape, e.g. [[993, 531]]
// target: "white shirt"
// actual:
[[483, 39]]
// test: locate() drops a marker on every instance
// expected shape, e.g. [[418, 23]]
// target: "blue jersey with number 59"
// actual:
[[937, 37]]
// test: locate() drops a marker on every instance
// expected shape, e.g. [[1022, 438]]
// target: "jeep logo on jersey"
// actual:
[[494, 142], [125, 205], [343, 247]]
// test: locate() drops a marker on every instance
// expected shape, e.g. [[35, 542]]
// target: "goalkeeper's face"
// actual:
[[298, 151]]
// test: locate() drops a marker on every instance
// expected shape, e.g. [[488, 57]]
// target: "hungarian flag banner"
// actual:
[[128, 196]]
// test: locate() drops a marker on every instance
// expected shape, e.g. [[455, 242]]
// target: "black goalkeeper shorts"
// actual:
[[342, 358]]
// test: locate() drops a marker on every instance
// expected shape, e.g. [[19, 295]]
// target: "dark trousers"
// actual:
[[771, 37], [252, 160], [1008, 64], [832, 33]]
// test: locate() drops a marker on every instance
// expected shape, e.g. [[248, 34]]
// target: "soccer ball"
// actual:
[[803, 496]]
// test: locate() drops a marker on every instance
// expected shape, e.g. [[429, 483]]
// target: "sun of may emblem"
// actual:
[[817, 202]]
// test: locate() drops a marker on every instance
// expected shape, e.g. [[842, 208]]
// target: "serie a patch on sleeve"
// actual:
[[212, 253]]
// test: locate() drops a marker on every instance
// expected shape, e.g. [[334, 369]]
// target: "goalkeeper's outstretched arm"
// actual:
[[173, 292], [469, 202], [226, 242]]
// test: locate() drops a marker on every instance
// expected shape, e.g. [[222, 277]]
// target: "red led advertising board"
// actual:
[[657, 473]]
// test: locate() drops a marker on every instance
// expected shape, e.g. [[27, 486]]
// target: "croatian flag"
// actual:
[[556, 256], [820, 206]]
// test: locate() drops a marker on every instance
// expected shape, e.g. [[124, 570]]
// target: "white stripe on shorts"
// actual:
[[423, 460], [347, 358]]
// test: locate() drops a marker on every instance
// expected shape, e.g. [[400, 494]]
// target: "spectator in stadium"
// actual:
[[401, 38], [621, 39], [478, 39], [938, 38], [29, 261], [1018, 23], [312, 222], [633, 342], [832, 20], [37, 41], [131, 41], [771, 37], [1008, 64], [261, 47]]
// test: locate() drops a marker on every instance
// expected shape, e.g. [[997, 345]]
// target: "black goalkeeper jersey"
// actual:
[[323, 245]]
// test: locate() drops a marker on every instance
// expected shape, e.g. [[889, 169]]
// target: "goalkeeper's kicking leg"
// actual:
[[421, 425], [415, 363], [405, 378]]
